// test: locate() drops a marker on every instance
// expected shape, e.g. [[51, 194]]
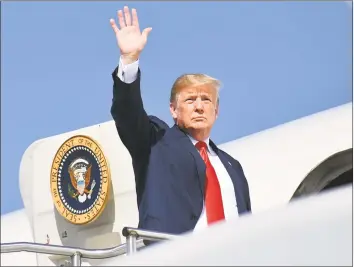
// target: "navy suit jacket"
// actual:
[[169, 171]]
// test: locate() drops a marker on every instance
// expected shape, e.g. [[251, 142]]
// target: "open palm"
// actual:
[[129, 38]]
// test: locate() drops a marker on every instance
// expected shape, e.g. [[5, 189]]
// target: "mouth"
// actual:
[[199, 118]]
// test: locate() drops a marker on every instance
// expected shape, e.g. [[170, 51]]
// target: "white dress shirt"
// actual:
[[128, 74], [226, 186]]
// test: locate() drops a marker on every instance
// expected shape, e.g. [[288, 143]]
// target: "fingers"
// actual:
[[121, 19], [135, 18], [128, 20], [114, 26], [146, 32], [125, 19]]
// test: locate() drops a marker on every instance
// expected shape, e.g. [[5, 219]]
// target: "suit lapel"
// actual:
[[176, 137], [175, 134]]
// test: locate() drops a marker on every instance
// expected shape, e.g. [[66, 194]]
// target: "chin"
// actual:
[[199, 125]]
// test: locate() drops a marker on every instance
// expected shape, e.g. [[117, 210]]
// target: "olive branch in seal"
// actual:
[[71, 191]]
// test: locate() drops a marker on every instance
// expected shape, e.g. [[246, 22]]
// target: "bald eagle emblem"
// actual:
[[80, 177]]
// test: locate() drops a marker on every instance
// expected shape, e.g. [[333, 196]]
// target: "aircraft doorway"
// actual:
[[343, 179], [335, 171]]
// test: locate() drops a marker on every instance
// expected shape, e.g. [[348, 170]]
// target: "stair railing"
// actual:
[[134, 240]]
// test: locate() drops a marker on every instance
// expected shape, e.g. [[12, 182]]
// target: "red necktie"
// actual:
[[213, 199]]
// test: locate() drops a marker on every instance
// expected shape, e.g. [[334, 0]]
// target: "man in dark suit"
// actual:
[[183, 180]]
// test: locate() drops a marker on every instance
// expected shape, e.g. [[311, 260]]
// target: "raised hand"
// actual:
[[129, 38]]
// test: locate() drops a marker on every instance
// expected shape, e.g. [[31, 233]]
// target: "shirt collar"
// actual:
[[210, 150]]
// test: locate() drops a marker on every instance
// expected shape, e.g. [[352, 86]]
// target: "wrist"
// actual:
[[129, 59]]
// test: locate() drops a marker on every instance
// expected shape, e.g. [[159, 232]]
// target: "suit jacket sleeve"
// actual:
[[136, 129], [131, 120]]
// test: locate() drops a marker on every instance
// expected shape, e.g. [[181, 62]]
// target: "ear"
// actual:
[[217, 111], [173, 111]]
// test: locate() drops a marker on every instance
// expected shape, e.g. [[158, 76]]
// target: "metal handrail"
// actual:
[[147, 235], [134, 237], [66, 251]]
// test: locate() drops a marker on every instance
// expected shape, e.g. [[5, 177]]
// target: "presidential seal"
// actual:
[[79, 180]]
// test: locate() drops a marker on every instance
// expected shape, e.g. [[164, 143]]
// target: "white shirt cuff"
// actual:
[[128, 73]]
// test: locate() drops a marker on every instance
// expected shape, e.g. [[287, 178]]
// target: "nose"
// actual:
[[198, 104]]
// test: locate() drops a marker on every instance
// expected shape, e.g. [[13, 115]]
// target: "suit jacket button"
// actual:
[[193, 217]]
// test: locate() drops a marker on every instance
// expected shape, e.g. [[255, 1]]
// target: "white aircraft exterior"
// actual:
[[298, 158], [315, 231]]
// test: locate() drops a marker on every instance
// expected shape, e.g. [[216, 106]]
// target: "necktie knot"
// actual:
[[201, 145]]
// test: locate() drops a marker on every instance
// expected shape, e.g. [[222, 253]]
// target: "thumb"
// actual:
[[146, 32]]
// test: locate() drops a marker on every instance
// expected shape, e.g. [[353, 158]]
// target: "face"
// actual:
[[196, 110]]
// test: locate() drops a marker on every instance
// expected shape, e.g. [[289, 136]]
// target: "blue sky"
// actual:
[[278, 61]]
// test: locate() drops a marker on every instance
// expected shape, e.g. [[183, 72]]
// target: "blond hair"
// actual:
[[193, 79]]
